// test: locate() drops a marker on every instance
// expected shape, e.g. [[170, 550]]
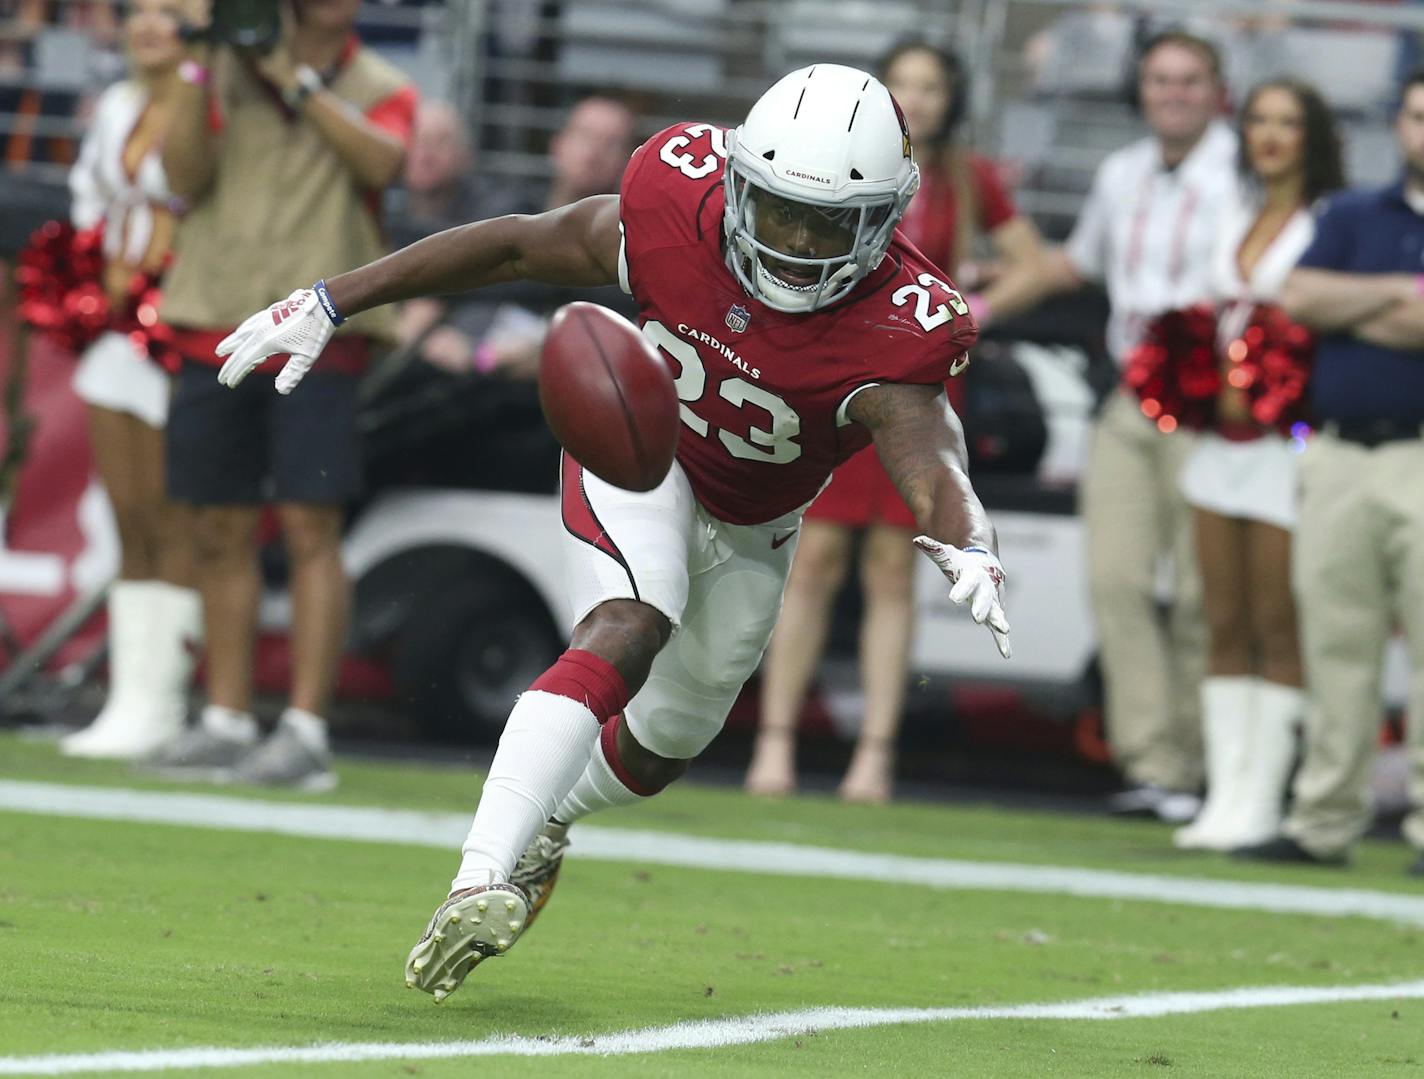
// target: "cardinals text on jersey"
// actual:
[[764, 393]]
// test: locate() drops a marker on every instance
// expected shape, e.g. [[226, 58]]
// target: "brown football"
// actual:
[[608, 397]]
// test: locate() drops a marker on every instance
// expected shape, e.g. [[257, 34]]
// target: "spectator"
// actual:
[[440, 191], [481, 349], [1358, 562], [1147, 231], [284, 157], [1240, 482], [495, 333], [439, 185], [591, 150], [154, 612], [588, 155], [960, 199]]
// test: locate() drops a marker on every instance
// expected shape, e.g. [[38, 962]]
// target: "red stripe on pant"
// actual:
[[580, 519]]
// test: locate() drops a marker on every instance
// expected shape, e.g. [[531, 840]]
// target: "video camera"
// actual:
[[244, 24]]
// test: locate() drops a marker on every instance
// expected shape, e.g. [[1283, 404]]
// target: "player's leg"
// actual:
[[817, 574], [731, 609], [1228, 692], [887, 574], [627, 568], [627, 563]]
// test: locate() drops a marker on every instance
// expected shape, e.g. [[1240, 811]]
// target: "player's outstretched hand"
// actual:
[[298, 326], [975, 577]]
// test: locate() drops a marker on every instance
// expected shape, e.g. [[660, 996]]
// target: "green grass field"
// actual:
[[126, 936]]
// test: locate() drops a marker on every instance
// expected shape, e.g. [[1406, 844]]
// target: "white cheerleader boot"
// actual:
[[124, 711], [177, 636], [154, 626], [1227, 705], [1279, 710]]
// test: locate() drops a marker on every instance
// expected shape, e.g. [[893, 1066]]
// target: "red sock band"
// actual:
[[586, 678], [608, 743]]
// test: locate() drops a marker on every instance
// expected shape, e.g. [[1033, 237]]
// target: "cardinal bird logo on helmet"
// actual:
[[904, 127]]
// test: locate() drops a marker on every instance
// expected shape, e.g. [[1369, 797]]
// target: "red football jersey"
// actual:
[[763, 392]]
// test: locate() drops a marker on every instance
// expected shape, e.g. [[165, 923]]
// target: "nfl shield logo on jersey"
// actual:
[[738, 318]]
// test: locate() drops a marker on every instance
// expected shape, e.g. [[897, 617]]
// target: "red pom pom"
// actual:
[[1275, 358], [61, 295], [139, 319], [1175, 371]]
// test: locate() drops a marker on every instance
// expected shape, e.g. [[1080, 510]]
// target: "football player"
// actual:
[[799, 326]]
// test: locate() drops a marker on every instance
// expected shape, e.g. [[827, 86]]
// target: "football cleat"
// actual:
[[468, 928], [537, 870]]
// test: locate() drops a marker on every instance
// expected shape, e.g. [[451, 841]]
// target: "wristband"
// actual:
[[193, 73], [324, 298]]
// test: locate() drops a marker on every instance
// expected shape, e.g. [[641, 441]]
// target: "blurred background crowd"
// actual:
[[1088, 168]]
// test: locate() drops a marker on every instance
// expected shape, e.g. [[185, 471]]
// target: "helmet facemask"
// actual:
[[840, 242]]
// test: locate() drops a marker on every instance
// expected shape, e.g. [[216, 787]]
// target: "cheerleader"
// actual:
[[154, 612], [1240, 482]]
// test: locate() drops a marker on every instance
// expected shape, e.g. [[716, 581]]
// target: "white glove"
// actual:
[[975, 576], [298, 326]]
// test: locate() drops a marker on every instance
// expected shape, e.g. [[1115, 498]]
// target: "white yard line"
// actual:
[[447, 830], [702, 1034]]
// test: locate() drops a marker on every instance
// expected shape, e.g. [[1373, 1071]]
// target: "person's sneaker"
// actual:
[[471, 926], [286, 759], [537, 870], [198, 753], [1150, 800], [1285, 849]]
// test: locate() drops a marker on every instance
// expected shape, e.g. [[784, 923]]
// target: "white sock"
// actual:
[[543, 751], [598, 788], [310, 728], [223, 722]]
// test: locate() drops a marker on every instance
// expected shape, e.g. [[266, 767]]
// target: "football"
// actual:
[[608, 397]]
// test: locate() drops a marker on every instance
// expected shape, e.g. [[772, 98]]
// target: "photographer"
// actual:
[[287, 131]]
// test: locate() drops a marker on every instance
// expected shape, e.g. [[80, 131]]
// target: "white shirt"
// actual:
[[1238, 296], [1148, 232], [102, 190]]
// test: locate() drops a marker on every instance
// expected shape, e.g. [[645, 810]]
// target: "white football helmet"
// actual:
[[817, 177]]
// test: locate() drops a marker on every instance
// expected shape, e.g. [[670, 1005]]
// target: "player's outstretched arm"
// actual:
[[575, 245], [921, 444]]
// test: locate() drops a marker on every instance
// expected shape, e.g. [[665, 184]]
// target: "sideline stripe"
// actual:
[[704, 1034], [447, 830]]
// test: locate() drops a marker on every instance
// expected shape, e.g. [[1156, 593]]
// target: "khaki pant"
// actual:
[[1358, 566], [1152, 668]]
